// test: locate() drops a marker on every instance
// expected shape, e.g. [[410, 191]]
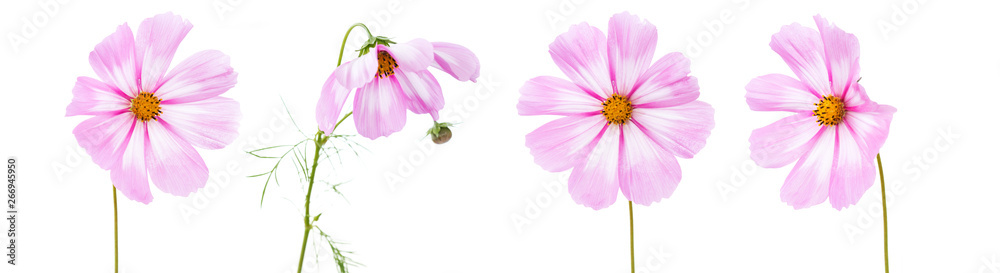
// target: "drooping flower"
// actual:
[[625, 121], [146, 121], [389, 80], [835, 130]]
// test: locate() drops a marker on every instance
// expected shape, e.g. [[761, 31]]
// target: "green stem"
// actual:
[[885, 213], [312, 176], [631, 235], [319, 141], [344, 43], [114, 198], [341, 120]]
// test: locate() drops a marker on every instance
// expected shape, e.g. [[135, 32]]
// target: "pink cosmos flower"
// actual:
[[834, 131], [146, 121], [390, 80], [624, 120]]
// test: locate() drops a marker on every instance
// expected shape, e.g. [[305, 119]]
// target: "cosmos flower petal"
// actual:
[[379, 108], [648, 173], [188, 112], [594, 180], [562, 143], [783, 141], [856, 99], [174, 166], [204, 75], [809, 182], [631, 43], [358, 72], [209, 124], [835, 160], [547, 95], [776, 92], [422, 91], [843, 53], [94, 97], [853, 169], [582, 54], [802, 50], [156, 42], [872, 128], [129, 174], [680, 130], [332, 98], [456, 60], [114, 61], [102, 135], [415, 55], [666, 83]]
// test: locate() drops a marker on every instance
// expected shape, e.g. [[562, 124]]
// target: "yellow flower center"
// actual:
[[617, 109], [829, 111], [145, 107], [386, 64]]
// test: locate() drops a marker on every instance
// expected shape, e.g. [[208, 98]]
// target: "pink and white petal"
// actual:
[[843, 53], [776, 92], [114, 61], [546, 95], [582, 54], [631, 42], [129, 174], [666, 83], [594, 180], [856, 99], [358, 72], [204, 75], [809, 182], [871, 128], [209, 124], [562, 143], [456, 60], [802, 50], [156, 42], [680, 130], [415, 55], [332, 98], [783, 141], [102, 135], [94, 97], [853, 169], [422, 91], [174, 165], [379, 108], [646, 172]]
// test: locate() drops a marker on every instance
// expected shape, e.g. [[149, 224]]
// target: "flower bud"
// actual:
[[440, 133], [443, 136]]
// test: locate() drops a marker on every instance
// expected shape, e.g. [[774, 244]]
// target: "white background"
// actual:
[[453, 207]]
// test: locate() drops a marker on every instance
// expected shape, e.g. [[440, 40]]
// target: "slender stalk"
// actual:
[[631, 235], [114, 198], [319, 141], [885, 213], [312, 176], [344, 43]]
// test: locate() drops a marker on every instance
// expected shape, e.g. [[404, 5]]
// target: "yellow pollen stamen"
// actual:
[[145, 107], [829, 111], [386, 64], [617, 109]]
